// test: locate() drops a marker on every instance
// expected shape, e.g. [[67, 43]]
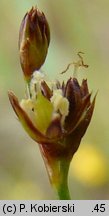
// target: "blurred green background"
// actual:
[[76, 25]]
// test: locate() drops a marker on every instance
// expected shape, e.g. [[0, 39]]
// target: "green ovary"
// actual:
[[39, 110]]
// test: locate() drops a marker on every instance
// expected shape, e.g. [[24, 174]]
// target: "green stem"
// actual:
[[28, 88], [62, 187], [57, 168]]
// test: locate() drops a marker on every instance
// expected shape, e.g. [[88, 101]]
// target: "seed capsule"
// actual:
[[34, 39]]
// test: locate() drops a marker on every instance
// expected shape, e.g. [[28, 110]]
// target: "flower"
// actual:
[[56, 115], [34, 39], [59, 115], [56, 118]]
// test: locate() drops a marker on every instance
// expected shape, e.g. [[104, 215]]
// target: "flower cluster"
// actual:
[[56, 115]]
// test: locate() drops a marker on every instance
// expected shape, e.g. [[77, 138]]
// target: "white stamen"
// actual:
[[36, 80], [60, 103]]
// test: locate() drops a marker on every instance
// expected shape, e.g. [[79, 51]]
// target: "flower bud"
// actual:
[[34, 38]]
